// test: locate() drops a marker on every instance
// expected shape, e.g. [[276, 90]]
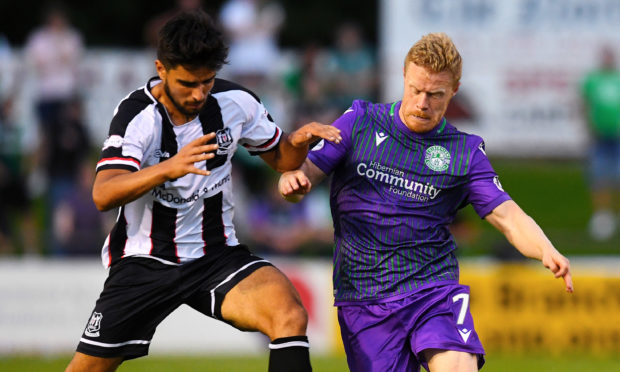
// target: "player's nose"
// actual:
[[423, 101], [199, 94]]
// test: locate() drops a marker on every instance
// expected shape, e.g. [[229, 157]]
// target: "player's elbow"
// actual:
[[102, 203]]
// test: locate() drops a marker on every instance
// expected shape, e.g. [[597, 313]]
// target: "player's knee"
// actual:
[[291, 320]]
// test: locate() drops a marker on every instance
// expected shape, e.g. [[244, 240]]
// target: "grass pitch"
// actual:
[[495, 363]]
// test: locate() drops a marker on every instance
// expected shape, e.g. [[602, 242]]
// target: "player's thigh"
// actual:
[[87, 363], [375, 338], [450, 361], [446, 330], [265, 301]]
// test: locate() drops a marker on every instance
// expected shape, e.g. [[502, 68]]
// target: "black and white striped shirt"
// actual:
[[179, 220]]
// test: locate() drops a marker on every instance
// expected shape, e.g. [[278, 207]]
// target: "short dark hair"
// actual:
[[191, 39]]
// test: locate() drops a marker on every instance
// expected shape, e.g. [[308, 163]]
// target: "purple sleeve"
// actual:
[[327, 155], [485, 192]]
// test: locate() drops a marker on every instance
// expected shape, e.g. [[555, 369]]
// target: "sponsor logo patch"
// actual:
[[113, 141], [380, 137], [465, 334], [319, 145], [161, 154], [497, 183]]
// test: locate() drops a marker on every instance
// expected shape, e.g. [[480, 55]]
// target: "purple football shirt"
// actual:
[[393, 195]]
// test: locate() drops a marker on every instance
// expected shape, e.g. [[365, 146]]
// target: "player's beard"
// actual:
[[180, 107]]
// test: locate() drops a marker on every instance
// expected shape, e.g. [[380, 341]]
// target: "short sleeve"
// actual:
[[327, 155], [125, 146], [260, 133], [484, 190]]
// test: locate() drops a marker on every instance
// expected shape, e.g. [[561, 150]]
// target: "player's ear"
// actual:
[[161, 69], [456, 88]]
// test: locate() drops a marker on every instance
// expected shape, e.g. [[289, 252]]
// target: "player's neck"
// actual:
[[175, 116]]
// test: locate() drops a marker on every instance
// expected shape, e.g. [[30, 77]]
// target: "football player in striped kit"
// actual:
[[399, 175], [166, 165]]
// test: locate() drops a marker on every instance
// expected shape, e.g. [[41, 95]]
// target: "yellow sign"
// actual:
[[522, 308]]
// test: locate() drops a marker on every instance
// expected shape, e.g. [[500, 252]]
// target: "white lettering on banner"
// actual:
[[575, 14], [523, 61]]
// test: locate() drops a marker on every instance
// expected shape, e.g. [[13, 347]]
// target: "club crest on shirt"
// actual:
[[437, 158], [94, 324], [224, 140]]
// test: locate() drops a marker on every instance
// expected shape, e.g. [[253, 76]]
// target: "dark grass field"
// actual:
[[495, 363], [555, 194]]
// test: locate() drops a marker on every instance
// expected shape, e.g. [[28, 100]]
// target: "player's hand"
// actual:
[[559, 266], [294, 185], [185, 160], [312, 132]]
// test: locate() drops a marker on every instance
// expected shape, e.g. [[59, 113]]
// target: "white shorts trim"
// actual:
[[229, 278], [102, 344], [154, 258]]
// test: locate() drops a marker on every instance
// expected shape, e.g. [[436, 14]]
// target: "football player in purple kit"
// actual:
[[400, 174]]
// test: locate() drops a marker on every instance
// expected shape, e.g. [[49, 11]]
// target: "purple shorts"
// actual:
[[390, 336]]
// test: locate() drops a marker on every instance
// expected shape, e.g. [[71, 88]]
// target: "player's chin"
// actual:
[[193, 109]]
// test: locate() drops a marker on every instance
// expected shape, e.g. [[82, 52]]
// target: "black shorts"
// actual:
[[141, 292]]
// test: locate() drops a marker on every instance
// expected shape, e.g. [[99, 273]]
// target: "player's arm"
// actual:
[[293, 185], [525, 234], [293, 148], [116, 187]]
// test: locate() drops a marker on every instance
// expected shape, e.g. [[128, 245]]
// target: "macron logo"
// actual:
[[465, 334], [380, 137]]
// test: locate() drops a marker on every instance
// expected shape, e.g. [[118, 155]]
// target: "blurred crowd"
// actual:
[[46, 178], [47, 166]]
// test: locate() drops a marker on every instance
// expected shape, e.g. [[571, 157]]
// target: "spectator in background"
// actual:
[[13, 192], [601, 96], [53, 53], [16, 222], [66, 155], [279, 227], [78, 225], [152, 27], [307, 84], [350, 72], [252, 27]]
